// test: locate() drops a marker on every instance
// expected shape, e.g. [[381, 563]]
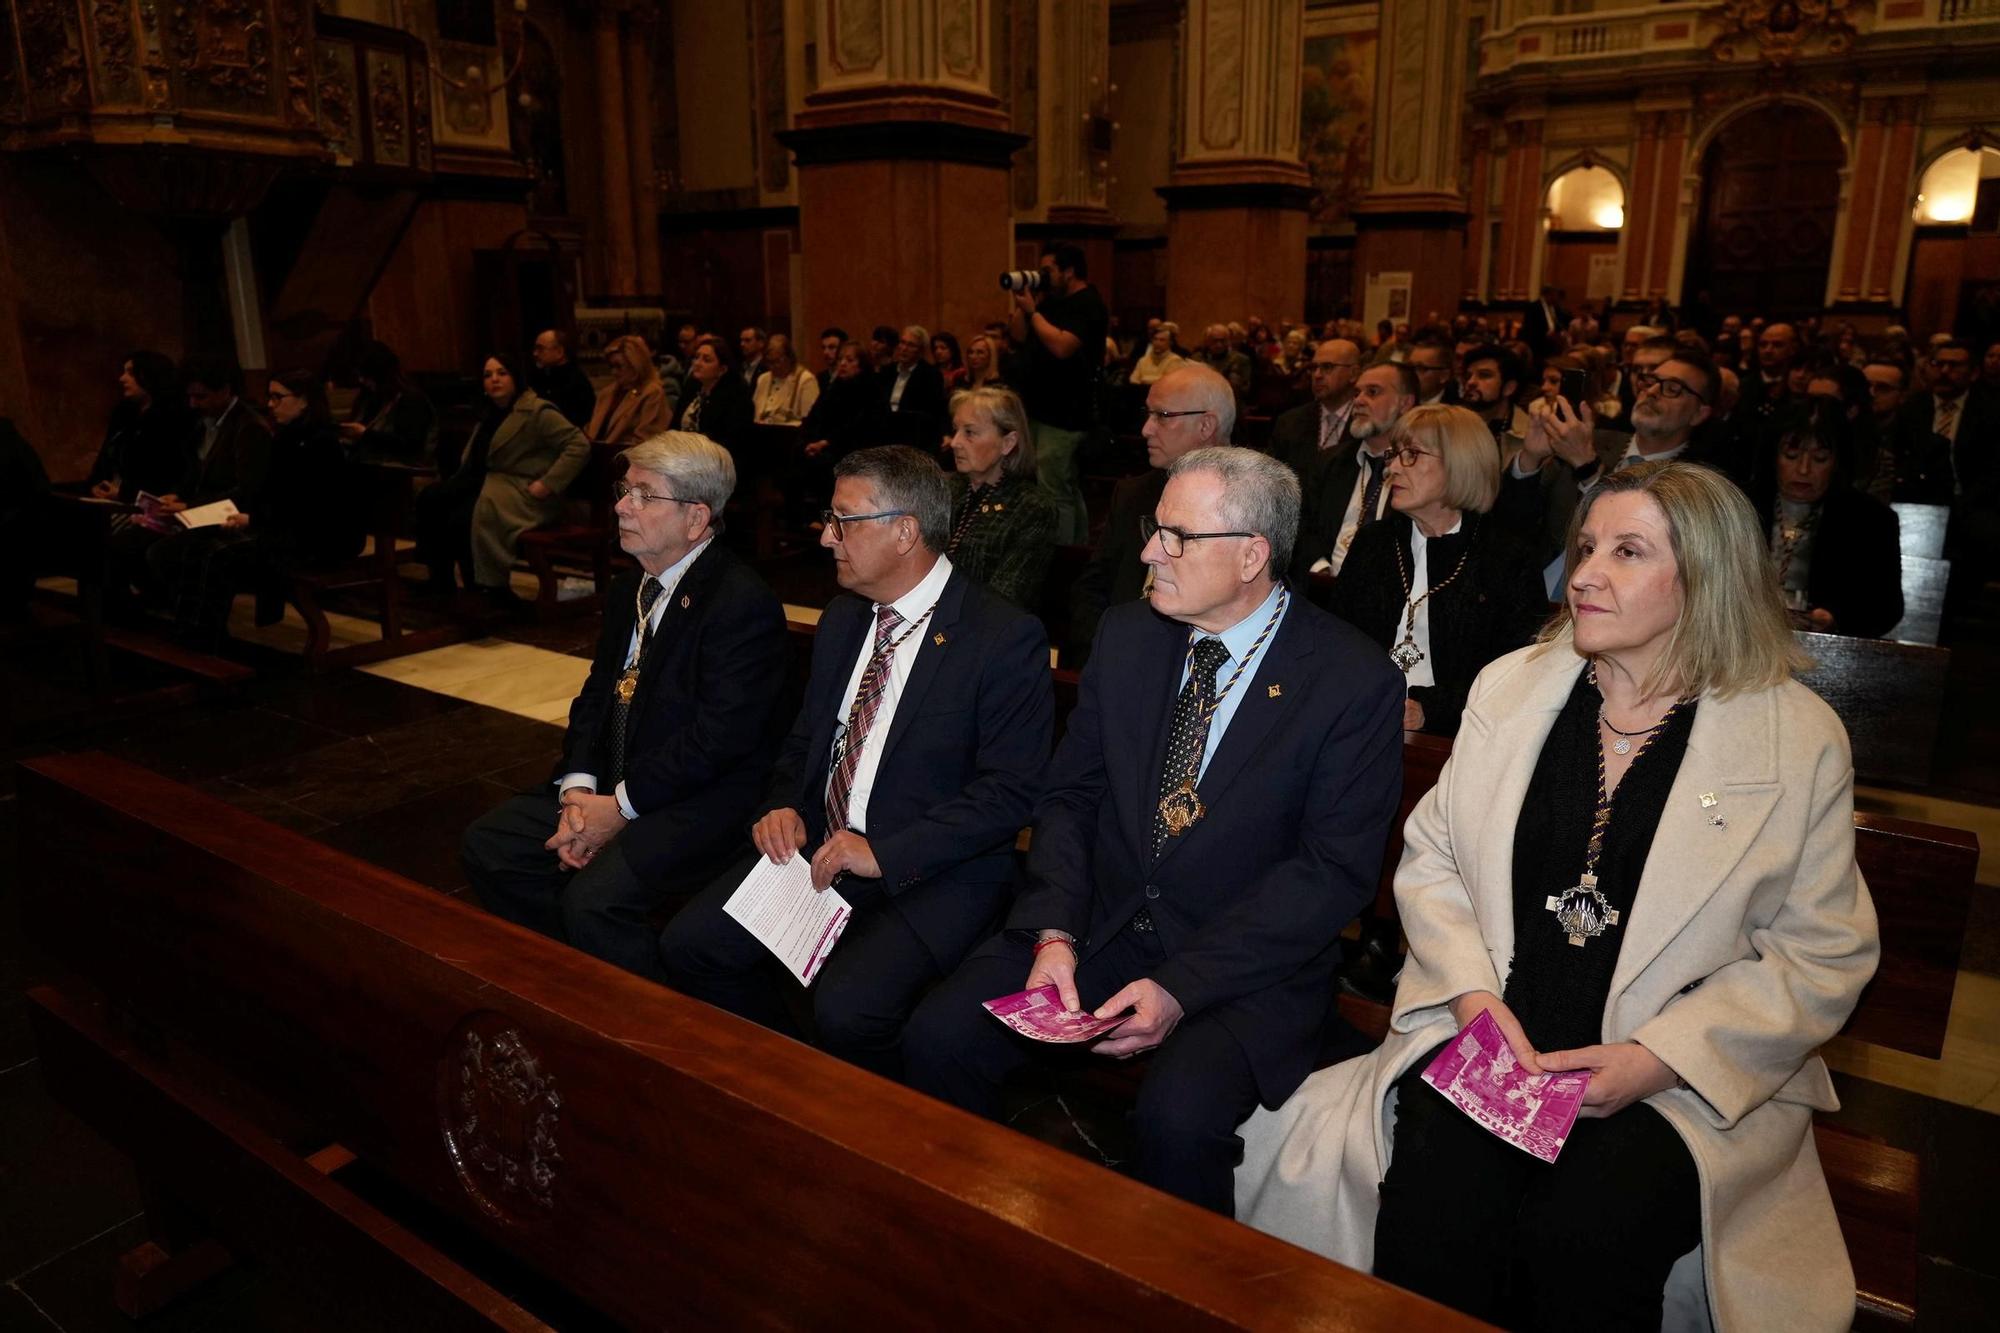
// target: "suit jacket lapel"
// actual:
[[687, 599], [930, 660]]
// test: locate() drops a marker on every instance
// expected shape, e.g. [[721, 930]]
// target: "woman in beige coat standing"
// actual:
[[1640, 859]]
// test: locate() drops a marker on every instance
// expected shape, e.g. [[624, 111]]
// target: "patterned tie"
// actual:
[[1186, 732], [860, 717], [1371, 495], [1947, 416], [618, 736]]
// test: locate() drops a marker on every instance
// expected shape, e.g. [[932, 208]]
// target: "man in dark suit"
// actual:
[[907, 777], [1307, 437], [1948, 452], [558, 379], [1346, 489], [1544, 324], [912, 398], [1214, 817], [670, 742], [1187, 408]]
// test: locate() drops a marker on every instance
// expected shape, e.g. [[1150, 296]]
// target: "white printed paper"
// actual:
[[777, 905], [207, 516]]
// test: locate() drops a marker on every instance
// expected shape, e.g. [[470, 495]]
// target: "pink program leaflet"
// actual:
[[1478, 1074], [1039, 1013]]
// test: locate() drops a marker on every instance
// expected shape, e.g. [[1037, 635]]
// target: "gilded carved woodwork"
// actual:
[[52, 55], [222, 50], [337, 95], [1780, 31], [294, 34], [117, 52], [388, 109], [499, 1109]]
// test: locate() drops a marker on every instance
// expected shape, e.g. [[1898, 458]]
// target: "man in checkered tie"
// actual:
[[906, 780], [1214, 817]]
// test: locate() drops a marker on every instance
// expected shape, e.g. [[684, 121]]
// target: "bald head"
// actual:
[[1187, 408], [1334, 365]]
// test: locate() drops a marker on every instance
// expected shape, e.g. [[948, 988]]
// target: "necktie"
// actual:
[[1371, 495], [1187, 734], [860, 718], [1947, 416], [619, 735]]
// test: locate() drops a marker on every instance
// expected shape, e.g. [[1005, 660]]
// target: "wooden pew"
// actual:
[[1924, 584], [666, 1163], [1890, 697], [585, 546], [1921, 529], [386, 490]]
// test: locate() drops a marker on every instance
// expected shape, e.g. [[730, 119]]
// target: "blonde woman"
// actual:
[[1003, 523], [1692, 954], [633, 406]]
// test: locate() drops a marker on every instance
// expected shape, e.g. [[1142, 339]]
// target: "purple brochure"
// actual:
[[1039, 1013], [1478, 1074]]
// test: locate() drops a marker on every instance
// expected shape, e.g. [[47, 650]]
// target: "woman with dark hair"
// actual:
[[150, 440], [391, 421], [1837, 549], [720, 405], [950, 363]]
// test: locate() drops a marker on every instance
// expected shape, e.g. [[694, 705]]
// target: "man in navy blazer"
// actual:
[[656, 788], [1199, 882], [912, 768]]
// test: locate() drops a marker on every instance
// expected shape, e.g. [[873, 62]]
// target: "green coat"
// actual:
[[1007, 544]]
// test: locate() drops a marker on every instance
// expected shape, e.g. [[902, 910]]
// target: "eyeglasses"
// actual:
[[1669, 388], [1408, 454], [1163, 416], [835, 523], [1174, 541], [622, 489]]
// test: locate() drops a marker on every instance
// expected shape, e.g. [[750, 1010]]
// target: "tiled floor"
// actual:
[[391, 763]]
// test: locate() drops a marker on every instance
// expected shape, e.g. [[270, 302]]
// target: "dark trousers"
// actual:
[[860, 1000], [1198, 1085], [444, 524], [1583, 1243], [602, 909], [201, 572]]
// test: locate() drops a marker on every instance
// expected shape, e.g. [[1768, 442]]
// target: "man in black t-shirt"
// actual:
[[1061, 331]]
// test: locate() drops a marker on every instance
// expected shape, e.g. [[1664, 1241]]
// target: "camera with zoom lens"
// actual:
[[1024, 280]]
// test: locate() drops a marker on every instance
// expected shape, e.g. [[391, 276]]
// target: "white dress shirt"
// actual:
[[1350, 521], [1238, 639], [896, 389], [916, 602], [1420, 581], [670, 578]]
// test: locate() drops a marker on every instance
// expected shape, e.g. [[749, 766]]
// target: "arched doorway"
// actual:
[[1770, 196]]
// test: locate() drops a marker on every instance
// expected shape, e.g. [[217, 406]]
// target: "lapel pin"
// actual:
[[686, 602], [1274, 691], [938, 639], [1708, 800]]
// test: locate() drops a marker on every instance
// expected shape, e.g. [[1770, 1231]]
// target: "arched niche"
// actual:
[[1955, 184], [1583, 219]]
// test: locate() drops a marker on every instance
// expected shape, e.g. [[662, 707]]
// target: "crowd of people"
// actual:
[[1583, 560]]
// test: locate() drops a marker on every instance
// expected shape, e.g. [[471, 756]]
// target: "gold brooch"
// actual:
[[1274, 691], [686, 602], [938, 640]]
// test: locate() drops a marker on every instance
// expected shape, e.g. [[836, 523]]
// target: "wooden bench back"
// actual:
[[1889, 696], [667, 1163]]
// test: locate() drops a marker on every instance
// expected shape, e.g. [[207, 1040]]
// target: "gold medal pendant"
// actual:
[[628, 685], [1181, 809]]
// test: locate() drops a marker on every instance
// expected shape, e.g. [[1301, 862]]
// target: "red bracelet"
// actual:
[[1046, 943]]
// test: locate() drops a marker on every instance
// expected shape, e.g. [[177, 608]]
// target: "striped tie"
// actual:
[[861, 717]]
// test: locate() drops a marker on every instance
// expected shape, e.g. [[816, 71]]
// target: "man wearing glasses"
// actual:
[[906, 779], [1213, 818], [1946, 438], [671, 740]]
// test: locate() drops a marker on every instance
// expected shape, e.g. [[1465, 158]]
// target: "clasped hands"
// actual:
[[782, 832], [1155, 1012], [585, 823], [1621, 1073]]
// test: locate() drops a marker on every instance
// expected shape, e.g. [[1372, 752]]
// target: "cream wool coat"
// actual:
[[1746, 948]]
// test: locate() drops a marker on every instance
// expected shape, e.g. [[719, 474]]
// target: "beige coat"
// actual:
[[626, 416], [1747, 946]]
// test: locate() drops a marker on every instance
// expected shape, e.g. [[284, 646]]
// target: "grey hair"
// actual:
[[905, 479], [696, 467], [1259, 494], [1209, 392]]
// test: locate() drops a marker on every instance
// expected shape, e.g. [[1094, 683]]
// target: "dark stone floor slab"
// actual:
[[419, 838], [19, 1315], [200, 744], [353, 703], [59, 1183], [255, 801]]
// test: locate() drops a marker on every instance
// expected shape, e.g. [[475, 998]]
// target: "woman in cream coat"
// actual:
[[1745, 946]]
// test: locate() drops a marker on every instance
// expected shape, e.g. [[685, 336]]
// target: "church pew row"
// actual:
[[235, 998]]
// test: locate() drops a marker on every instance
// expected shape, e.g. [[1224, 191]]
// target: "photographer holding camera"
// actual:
[[1060, 324]]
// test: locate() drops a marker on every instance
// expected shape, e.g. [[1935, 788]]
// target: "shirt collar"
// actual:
[[1239, 637], [921, 598], [1664, 456], [671, 575]]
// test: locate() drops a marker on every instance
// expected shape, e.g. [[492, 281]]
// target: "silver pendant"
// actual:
[[1621, 746], [1582, 912], [1406, 655]]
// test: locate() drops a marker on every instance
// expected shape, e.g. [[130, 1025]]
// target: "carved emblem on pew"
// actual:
[[499, 1110]]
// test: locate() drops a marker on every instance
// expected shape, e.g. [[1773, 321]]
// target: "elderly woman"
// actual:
[[1003, 524], [634, 405], [1159, 357], [719, 404], [1640, 861], [1837, 550], [786, 391], [1444, 587]]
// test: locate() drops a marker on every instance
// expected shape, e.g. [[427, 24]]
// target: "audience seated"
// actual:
[[910, 394], [1441, 585], [1305, 438], [1836, 549], [949, 360], [717, 403], [1159, 356], [1003, 524], [670, 743], [635, 405], [559, 380], [1347, 488], [150, 436], [1430, 357], [908, 775], [1219, 355], [831, 340], [1494, 378], [982, 363], [786, 391], [1690, 946], [1213, 818], [391, 421], [751, 344]]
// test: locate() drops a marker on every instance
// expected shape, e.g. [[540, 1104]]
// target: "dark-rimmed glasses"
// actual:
[[1174, 541], [1163, 416], [1669, 388], [1408, 454], [621, 489], [835, 522]]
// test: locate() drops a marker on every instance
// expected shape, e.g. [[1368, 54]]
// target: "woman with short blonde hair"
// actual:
[[1003, 522], [634, 404], [1638, 865]]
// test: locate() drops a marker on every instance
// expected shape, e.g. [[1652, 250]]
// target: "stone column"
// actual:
[[902, 151], [1876, 203], [1237, 198], [1521, 207], [1412, 220], [640, 24], [1073, 147], [619, 258], [1652, 204]]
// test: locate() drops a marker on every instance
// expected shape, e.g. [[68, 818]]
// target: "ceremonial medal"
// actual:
[[1180, 808], [1583, 912], [1406, 655], [628, 685]]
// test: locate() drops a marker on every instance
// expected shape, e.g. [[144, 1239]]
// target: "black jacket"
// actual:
[[145, 450], [725, 413], [846, 416], [1489, 610], [1857, 561], [237, 465], [919, 420], [312, 513], [569, 389], [705, 729], [1115, 574]]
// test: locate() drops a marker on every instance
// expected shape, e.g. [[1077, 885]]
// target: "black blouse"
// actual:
[[1557, 989]]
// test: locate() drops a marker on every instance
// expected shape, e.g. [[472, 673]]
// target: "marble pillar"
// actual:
[[1412, 220], [1652, 205], [640, 25], [903, 152], [618, 257], [1072, 147], [1238, 194], [1880, 186]]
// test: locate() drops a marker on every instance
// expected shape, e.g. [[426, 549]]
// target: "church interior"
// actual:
[[270, 1056]]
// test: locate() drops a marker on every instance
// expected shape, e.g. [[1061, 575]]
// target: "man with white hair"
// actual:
[[670, 743], [1214, 816], [911, 393]]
